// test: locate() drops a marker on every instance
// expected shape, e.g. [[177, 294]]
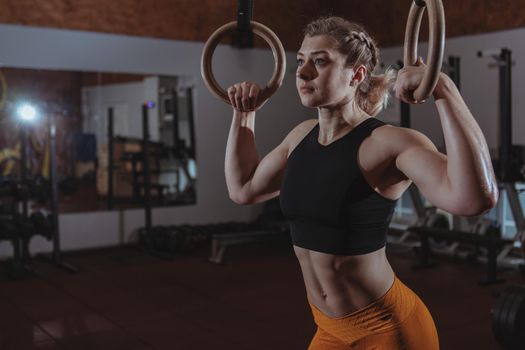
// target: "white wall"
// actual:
[[76, 50]]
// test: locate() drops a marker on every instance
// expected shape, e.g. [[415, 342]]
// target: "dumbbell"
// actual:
[[145, 239], [7, 229], [15, 189], [43, 225], [40, 191], [24, 226]]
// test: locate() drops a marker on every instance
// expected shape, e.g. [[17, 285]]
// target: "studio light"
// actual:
[[27, 112]]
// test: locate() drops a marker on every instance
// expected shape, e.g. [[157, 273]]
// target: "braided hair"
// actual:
[[360, 49]]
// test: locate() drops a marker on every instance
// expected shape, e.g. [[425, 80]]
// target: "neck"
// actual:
[[335, 120]]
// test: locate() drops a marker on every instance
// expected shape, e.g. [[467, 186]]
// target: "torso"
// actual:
[[340, 285]]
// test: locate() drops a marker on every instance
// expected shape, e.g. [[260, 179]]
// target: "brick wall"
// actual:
[[195, 20]]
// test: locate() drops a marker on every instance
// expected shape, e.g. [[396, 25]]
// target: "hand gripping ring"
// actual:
[[264, 32], [436, 44]]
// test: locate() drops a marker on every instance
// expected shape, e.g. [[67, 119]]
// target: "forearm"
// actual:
[[241, 152], [469, 167]]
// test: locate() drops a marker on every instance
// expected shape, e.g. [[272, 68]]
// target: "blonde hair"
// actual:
[[360, 49]]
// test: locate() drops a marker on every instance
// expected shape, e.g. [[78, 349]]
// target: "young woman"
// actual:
[[339, 177]]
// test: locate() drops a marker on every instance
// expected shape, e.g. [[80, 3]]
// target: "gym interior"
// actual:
[[117, 229]]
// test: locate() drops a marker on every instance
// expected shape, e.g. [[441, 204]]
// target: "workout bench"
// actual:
[[492, 243], [219, 242]]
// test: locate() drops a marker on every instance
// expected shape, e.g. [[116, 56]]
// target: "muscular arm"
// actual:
[[461, 182], [249, 179]]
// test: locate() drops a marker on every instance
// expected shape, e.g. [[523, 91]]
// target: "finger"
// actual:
[[253, 94], [405, 96], [398, 89], [395, 88], [231, 95], [238, 97], [246, 97], [403, 90], [401, 74], [420, 62]]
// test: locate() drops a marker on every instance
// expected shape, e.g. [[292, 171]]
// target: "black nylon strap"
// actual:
[[244, 15]]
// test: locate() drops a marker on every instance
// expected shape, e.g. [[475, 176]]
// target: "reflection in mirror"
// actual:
[[100, 120]]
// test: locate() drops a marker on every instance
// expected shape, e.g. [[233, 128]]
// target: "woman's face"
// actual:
[[322, 77]]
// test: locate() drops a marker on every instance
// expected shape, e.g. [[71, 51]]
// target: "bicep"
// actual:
[[422, 163], [265, 182]]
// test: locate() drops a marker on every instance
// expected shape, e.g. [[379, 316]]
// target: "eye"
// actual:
[[300, 62], [319, 61]]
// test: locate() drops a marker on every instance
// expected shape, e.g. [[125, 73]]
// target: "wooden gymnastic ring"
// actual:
[[436, 43], [264, 32]]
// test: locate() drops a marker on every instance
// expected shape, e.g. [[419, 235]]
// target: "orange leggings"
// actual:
[[398, 320]]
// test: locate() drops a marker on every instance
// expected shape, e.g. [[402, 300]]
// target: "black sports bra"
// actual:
[[330, 206]]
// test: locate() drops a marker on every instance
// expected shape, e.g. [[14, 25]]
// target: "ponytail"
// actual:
[[373, 93]]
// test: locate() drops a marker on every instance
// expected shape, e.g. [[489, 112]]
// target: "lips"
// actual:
[[306, 89]]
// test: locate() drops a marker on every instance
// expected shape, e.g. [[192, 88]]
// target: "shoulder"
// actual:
[[300, 130], [398, 139], [297, 134], [304, 127]]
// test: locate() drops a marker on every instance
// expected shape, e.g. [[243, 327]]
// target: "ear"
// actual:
[[359, 75]]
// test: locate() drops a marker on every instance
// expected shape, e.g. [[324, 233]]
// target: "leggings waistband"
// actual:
[[383, 314]]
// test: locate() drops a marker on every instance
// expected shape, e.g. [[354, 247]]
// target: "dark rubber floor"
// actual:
[[125, 299]]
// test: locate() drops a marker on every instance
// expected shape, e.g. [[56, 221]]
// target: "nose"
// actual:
[[305, 72]]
